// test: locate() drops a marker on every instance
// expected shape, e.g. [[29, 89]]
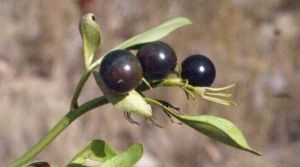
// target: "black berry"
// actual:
[[199, 70], [158, 59], [121, 71]]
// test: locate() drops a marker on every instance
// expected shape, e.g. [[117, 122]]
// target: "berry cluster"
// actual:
[[122, 71]]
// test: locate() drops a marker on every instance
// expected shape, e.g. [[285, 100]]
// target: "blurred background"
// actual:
[[254, 44]]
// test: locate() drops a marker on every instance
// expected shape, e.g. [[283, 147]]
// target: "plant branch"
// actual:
[[78, 89], [57, 129]]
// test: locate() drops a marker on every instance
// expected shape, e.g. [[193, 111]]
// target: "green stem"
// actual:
[[78, 89], [57, 129]]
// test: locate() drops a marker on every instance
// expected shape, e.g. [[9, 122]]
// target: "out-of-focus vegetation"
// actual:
[[254, 44]]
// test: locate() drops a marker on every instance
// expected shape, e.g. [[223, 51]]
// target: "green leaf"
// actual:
[[91, 37], [155, 33], [151, 35], [219, 129], [215, 127], [126, 159], [97, 150]]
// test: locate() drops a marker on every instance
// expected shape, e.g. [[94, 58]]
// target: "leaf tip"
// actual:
[[254, 152], [186, 20]]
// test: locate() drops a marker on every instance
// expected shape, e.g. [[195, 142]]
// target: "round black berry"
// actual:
[[121, 71], [158, 59], [199, 70]]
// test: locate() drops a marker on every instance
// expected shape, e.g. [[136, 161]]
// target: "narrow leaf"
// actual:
[[91, 37], [217, 128], [155, 33], [97, 150], [151, 35], [126, 159]]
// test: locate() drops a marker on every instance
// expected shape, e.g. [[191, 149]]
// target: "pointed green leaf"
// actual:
[[91, 37], [126, 159], [97, 150], [155, 33], [217, 128], [151, 35]]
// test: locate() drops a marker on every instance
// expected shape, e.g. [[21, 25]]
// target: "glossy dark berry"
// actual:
[[199, 70], [121, 71], [158, 59]]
